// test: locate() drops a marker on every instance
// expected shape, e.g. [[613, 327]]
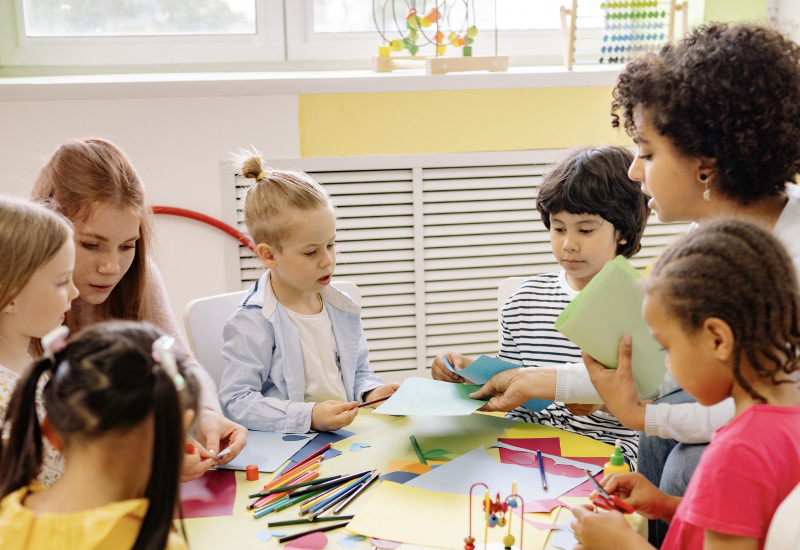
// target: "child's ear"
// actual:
[[51, 435], [266, 254], [720, 337]]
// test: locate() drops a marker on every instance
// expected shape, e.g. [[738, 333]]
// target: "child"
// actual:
[[35, 292], [117, 406], [94, 184], [594, 212], [295, 352], [724, 303]]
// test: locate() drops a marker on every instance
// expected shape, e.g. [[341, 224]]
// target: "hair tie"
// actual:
[[164, 356], [54, 341], [262, 175]]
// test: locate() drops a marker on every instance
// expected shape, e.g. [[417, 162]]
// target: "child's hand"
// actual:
[[196, 461], [636, 490], [439, 370], [381, 391], [617, 388], [219, 433], [604, 531], [329, 416]]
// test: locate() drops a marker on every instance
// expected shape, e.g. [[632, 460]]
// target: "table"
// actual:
[[388, 439]]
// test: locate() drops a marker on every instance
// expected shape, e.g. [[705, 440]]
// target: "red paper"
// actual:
[[211, 495], [311, 541]]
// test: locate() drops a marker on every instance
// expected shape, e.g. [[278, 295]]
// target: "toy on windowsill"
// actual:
[[496, 513], [405, 28]]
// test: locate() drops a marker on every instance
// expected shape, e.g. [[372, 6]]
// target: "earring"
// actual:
[[707, 192]]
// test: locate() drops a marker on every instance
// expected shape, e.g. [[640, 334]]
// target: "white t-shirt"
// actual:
[[320, 361]]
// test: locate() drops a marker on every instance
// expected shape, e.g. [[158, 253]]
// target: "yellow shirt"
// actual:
[[113, 526]]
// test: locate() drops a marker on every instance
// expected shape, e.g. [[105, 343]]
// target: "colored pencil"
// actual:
[[373, 401], [541, 469], [360, 490], [331, 502], [417, 450], [331, 527], [281, 491], [328, 484], [280, 504], [315, 454], [328, 497], [293, 486], [306, 521]]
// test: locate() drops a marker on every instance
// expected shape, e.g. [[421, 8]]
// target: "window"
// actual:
[[106, 36]]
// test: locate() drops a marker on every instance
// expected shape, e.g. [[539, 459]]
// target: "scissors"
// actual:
[[606, 501]]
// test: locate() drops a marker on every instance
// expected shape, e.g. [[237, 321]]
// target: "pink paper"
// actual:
[[311, 541], [586, 487], [543, 506], [548, 445], [384, 544], [210, 495]]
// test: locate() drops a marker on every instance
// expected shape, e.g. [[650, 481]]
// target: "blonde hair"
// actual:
[[83, 174], [30, 235], [270, 202]]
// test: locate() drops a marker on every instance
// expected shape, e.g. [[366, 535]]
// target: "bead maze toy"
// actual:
[[496, 513], [631, 29], [444, 26]]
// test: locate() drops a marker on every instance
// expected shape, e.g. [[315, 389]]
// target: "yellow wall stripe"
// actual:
[[398, 123]]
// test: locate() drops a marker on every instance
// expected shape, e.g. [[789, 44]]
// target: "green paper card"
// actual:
[[608, 308], [425, 397]]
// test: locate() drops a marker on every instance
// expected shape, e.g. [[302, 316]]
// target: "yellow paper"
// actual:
[[415, 516], [573, 445]]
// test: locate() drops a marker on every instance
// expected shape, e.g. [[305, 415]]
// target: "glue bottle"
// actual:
[[616, 464]]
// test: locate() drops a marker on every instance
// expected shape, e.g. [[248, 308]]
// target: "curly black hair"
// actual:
[[725, 92]]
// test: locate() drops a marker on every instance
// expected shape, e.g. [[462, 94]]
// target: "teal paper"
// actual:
[[484, 367], [608, 308], [425, 397]]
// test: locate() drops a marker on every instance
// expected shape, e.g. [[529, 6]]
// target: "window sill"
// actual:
[[283, 83]]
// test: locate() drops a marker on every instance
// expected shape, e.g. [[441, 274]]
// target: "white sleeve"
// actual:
[[687, 422], [573, 385]]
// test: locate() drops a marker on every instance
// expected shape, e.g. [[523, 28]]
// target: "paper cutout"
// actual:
[[572, 444], [413, 467], [559, 462], [608, 308], [322, 439], [384, 544], [543, 506], [311, 541], [425, 397], [267, 450], [211, 495], [403, 513], [458, 475], [399, 476], [294, 437], [264, 536], [356, 447], [434, 453], [350, 541], [484, 367]]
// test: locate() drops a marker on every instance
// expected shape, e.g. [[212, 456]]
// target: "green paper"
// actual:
[[608, 308], [426, 397]]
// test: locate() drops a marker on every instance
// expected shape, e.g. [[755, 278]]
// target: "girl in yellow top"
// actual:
[[117, 403]]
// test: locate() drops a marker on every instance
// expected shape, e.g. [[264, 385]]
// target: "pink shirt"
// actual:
[[750, 466]]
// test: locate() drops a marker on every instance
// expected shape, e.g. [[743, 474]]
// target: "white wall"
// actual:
[[176, 144]]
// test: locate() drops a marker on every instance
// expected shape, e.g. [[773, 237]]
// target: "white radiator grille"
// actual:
[[428, 238]]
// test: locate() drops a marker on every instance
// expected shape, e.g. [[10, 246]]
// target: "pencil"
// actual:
[[293, 486], [417, 450], [344, 493], [331, 527], [305, 521], [360, 490], [328, 484], [315, 454], [280, 491], [541, 469], [373, 401], [327, 497]]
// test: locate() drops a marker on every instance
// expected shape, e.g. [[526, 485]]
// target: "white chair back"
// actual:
[[204, 319], [504, 292], [784, 529]]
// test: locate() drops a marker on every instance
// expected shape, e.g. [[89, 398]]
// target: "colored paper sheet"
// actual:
[[572, 445], [211, 495], [553, 463], [415, 516], [425, 397], [484, 367], [322, 439], [608, 308], [268, 450], [476, 466]]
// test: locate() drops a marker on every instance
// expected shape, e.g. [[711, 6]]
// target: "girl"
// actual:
[[295, 352], [35, 292], [594, 212], [94, 184], [117, 405], [724, 303]]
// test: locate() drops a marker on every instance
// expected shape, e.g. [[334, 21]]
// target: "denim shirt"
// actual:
[[263, 386]]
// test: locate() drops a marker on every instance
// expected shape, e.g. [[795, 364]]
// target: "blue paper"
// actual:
[[484, 367], [267, 450]]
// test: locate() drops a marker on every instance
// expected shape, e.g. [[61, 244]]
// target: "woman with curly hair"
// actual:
[[716, 119]]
